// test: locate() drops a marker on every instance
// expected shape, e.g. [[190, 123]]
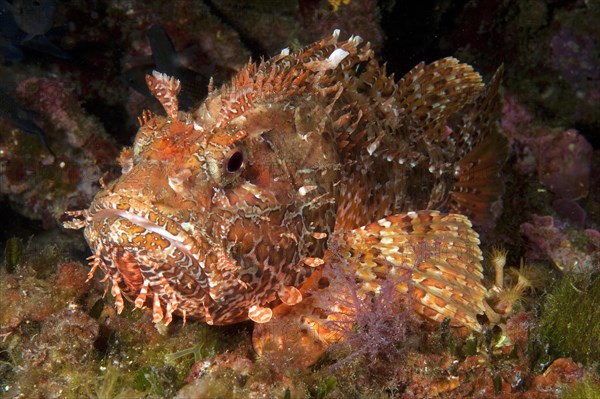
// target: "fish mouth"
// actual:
[[150, 256]]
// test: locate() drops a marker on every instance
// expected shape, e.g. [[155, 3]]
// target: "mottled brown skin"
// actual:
[[222, 211], [252, 217]]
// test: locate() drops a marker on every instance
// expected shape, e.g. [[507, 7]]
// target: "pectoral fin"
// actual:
[[433, 260]]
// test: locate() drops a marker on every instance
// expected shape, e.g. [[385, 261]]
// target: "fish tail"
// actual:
[[482, 151]]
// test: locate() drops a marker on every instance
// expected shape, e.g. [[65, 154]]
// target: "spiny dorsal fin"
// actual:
[[319, 67], [428, 94]]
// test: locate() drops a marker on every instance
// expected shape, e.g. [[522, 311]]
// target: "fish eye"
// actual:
[[234, 160]]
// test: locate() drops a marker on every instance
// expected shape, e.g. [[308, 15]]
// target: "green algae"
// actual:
[[586, 389], [570, 320], [154, 364], [110, 386], [326, 386], [13, 254]]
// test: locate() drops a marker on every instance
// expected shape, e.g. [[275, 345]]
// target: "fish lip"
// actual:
[[146, 224]]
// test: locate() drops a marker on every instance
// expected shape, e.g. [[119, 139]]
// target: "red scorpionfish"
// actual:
[[314, 158]]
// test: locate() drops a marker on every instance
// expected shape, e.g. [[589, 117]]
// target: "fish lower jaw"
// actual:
[[150, 260]]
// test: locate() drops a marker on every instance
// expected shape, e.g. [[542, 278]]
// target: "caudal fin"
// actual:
[[482, 151]]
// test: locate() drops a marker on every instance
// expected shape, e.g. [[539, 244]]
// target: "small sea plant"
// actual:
[[497, 258], [570, 319], [530, 277], [506, 295], [375, 325]]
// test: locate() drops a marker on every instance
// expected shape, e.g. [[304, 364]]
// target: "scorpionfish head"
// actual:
[[216, 217]]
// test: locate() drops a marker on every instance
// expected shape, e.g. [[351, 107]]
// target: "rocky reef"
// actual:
[[70, 101]]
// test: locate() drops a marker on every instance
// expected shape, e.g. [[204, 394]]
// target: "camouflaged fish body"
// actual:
[[222, 213]]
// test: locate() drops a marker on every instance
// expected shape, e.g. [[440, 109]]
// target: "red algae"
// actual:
[[45, 184], [564, 163], [551, 242]]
